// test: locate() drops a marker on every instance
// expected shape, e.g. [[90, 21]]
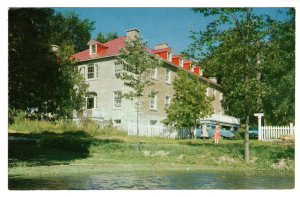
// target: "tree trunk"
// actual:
[[246, 140], [137, 123]]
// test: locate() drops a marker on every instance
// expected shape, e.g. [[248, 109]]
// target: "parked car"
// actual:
[[253, 133], [224, 133]]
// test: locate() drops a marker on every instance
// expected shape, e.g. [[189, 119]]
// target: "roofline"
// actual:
[[170, 63]]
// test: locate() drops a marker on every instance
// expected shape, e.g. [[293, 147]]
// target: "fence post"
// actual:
[[259, 116], [292, 129]]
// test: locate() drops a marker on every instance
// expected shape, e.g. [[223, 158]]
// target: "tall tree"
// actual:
[[189, 102], [279, 72], [110, 36], [231, 48], [137, 64], [39, 77], [69, 28]]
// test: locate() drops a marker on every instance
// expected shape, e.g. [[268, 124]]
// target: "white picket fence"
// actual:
[[151, 130], [275, 132]]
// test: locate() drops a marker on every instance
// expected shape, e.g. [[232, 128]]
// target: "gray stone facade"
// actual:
[[105, 83]]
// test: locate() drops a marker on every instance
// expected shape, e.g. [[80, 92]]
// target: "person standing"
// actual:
[[217, 133], [204, 132]]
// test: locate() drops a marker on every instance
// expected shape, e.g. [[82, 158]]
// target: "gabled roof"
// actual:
[[176, 56], [161, 50], [92, 41], [113, 48], [187, 61]]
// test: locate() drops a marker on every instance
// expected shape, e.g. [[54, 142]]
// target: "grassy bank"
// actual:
[[61, 149]]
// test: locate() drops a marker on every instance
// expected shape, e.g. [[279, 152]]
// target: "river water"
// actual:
[[156, 180]]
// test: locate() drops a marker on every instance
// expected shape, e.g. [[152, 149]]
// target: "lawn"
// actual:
[[48, 149]]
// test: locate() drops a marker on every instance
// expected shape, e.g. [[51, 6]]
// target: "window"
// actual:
[[91, 100], [168, 101], [117, 99], [169, 56], [93, 49], [153, 102], [92, 71], [153, 122], [221, 96], [168, 76], [117, 122], [154, 73], [82, 71], [118, 70]]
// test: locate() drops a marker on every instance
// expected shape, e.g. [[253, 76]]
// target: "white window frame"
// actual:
[[153, 73], [118, 69], [91, 96], [153, 102], [153, 122], [169, 57], [117, 120], [167, 101], [91, 49], [168, 76], [95, 71], [115, 106]]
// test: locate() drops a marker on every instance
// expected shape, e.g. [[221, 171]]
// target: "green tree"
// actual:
[[137, 64], [69, 28], [279, 72], [189, 102], [103, 39], [231, 48], [38, 77]]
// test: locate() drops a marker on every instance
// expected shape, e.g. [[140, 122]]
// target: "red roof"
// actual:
[[161, 50], [176, 56], [113, 48], [187, 61]]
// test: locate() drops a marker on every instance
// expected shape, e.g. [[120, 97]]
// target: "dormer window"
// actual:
[[169, 57], [93, 49]]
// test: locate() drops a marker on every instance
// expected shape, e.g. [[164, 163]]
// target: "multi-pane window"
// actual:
[[93, 49], [153, 122], [117, 121], [117, 99], [153, 102], [168, 101], [91, 100], [118, 69], [168, 76], [91, 72], [154, 73]]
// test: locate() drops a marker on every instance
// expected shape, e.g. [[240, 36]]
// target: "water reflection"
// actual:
[[156, 180]]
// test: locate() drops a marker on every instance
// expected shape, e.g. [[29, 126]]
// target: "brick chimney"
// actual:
[[161, 46], [132, 33]]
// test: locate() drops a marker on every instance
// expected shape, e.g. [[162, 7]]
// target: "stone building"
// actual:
[[103, 101]]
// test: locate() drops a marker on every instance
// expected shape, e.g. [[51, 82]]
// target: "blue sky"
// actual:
[[156, 25]]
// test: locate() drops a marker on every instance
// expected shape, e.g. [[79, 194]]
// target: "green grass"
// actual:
[[64, 148]]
